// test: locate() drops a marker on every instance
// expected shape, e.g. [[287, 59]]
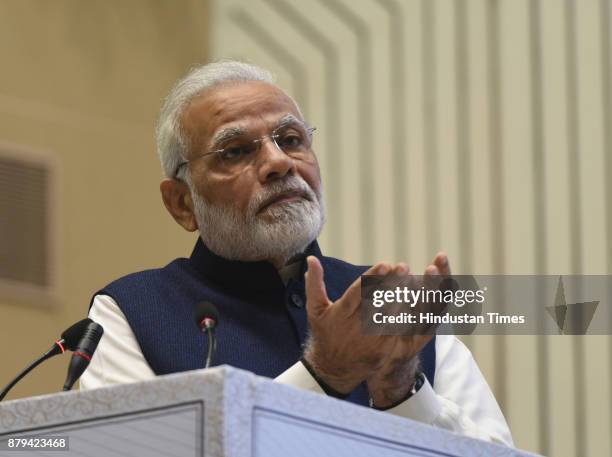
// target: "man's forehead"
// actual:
[[237, 105]]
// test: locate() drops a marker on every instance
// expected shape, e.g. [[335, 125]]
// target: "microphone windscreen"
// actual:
[[205, 310], [73, 334], [91, 337]]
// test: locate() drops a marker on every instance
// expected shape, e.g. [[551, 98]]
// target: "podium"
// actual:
[[218, 412]]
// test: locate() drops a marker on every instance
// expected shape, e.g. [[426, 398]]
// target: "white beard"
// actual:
[[229, 233]]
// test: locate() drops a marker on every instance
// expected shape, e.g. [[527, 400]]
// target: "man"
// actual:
[[239, 168]]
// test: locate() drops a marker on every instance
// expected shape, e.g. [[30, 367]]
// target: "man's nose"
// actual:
[[273, 162]]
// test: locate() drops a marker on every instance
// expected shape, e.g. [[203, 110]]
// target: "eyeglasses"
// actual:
[[239, 153]]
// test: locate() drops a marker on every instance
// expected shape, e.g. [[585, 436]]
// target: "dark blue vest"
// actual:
[[262, 324]]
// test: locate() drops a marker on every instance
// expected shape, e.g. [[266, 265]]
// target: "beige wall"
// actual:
[[83, 81]]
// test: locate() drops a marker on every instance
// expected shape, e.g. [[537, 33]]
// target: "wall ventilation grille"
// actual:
[[25, 223]]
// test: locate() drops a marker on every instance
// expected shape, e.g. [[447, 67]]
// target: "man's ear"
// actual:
[[177, 199]]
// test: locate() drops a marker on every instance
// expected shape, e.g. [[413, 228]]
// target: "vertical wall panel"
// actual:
[[591, 160], [605, 16], [479, 133], [448, 177], [480, 127], [378, 128], [416, 150], [538, 141], [516, 159]]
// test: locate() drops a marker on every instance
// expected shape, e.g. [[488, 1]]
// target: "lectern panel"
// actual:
[[174, 430], [278, 435]]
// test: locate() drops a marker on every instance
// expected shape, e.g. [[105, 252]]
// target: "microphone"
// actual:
[[69, 340], [72, 335], [206, 318], [83, 352]]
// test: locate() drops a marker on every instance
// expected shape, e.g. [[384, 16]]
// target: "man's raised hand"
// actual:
[[338, 350], [392, 382]]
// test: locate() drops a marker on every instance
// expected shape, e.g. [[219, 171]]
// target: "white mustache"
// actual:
[[290, 184]]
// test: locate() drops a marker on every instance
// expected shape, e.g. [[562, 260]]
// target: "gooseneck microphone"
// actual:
[[83, 352], [206, 318], [69, 340]]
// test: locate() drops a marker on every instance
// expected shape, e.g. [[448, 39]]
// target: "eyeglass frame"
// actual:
[[272, 135]]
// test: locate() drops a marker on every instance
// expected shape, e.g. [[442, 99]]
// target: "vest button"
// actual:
[[297, 300]]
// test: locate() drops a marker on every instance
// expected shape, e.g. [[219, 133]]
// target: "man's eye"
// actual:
[[234, 152], [290, 141]]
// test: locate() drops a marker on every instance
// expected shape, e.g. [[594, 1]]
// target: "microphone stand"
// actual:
[[212, 342], [56, 349]]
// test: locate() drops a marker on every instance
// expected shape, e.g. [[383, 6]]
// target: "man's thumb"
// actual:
[[316, 295]]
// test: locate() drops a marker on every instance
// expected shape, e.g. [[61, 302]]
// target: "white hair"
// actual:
[[171, 144]]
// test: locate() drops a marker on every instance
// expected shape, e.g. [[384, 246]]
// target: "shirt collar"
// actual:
[[236, 274]]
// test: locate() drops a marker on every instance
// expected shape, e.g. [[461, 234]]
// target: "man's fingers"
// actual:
[[316, 295], [352, 295], [433, 281], [380, 269], [401, 269], [432, 278], [441, 262]]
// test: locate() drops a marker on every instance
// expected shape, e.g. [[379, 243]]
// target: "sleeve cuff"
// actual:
[[298, 376], [423, 406]]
